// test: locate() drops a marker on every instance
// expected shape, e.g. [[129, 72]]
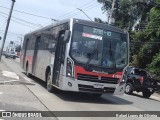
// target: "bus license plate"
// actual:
[[98, 86]]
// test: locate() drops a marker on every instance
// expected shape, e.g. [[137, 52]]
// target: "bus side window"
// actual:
[[52, 46], [24, 42]]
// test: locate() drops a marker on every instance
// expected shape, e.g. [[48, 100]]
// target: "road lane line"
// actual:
[[10, 74], [10, 81], [27, 79], [1, 94]]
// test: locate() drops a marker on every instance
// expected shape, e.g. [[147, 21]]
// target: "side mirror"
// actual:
[[66, 36]]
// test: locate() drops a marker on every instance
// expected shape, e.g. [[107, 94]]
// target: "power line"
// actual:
[[87, 6], [86, 9], [19, 22], [84, 13], [23, 24], [73, 11], [12, 33], [30, 14], [91, 7], [78, 12], [22, 20]]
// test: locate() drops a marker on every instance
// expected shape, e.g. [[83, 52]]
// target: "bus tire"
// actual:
[[50, 87], [27, 72]]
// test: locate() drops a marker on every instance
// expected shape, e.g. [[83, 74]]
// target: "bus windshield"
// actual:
[[111, 47]]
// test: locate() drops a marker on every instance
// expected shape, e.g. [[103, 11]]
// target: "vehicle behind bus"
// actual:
[[77, 55]]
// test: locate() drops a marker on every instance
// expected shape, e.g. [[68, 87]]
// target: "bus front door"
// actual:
[[58, 59]]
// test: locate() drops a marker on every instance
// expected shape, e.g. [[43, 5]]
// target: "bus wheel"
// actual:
[[27, 72], [50, 88]]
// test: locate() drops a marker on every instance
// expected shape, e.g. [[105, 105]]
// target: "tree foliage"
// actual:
[[145, 41], [154, 67], [126, 11]]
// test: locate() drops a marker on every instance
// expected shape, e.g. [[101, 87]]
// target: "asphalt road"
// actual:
[[33, 96]]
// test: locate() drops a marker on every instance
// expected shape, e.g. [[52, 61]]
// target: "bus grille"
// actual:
[[92, 78], [88, 88]]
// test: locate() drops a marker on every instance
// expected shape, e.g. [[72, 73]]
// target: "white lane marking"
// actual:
[[10, 74], [1, 94], [30, 81], [10, 81]]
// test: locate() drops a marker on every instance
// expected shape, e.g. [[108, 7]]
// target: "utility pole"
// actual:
[[21, 41], [111, 19], [7, 26], [84, 13]]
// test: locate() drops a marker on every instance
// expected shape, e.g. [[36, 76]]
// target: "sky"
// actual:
[[30, 15]]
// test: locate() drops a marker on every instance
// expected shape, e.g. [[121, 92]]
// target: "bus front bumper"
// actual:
[[71, 84]]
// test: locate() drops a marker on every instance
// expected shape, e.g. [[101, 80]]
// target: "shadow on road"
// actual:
[[89, 98], [137, 95], [140, 96], [84, 97]]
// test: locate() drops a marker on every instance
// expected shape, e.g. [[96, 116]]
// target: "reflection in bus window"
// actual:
[[111, 47]]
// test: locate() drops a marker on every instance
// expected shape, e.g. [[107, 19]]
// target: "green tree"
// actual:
[[100, 21], [126, 12], [154, 67], [145, 41]]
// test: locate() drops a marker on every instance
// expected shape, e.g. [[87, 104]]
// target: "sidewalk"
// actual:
[[14, 93], [6, 74]]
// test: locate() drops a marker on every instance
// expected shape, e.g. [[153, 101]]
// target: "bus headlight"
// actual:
[[69, 68]]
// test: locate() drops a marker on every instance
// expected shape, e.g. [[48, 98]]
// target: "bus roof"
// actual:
[[80, 21], [99, 25]]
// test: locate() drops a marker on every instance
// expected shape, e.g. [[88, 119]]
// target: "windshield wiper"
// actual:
[[91, 57]]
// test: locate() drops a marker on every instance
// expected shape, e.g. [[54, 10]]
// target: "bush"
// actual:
[[154, 67]]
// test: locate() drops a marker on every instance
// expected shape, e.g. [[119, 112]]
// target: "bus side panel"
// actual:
[[27, 53], [28, 60], [43, 55], [42, 62], [24, 50], [48, 61]]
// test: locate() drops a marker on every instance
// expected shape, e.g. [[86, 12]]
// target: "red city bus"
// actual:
[[77, 55]]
